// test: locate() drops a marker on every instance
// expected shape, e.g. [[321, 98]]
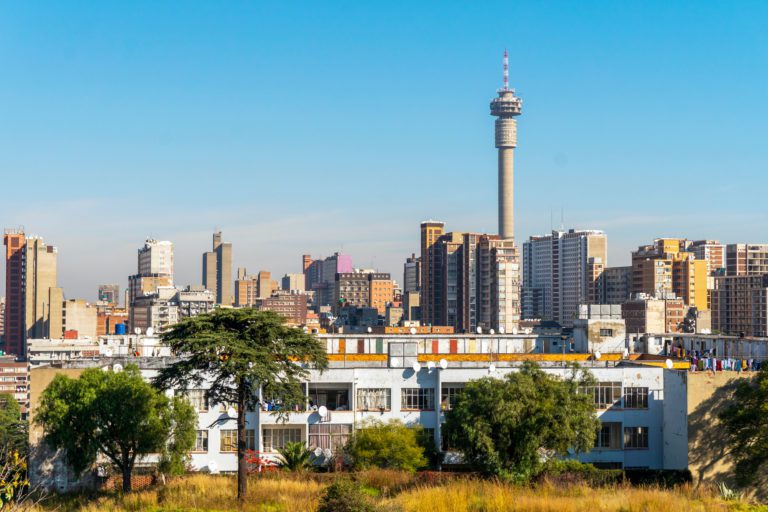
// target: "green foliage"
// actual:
[[564, 472], [345, 496], [116, 414], [14, 432], [175, 457], [387, 445], [295, 456], [236, 351], [504, 427], [13, 481], [746, 423]]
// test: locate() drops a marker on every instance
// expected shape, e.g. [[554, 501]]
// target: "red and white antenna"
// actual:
[[506, 70]]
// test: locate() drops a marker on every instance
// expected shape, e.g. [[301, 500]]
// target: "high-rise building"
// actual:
[[320, 276], [412, 274], [217, 270], [110, 293], [561, 271], [431, 273], [711, 251], [615, 285], [14, 334], [363, 290], [151, 288], [293, 283], [740, 304], [250, 288], [2, 319], [746, 259], [42, 298], [505, 108], [79, 317], [666, 269]]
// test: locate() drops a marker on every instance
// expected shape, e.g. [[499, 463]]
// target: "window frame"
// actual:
[[636, 397], [422, 398], [268, 433], [636, 438], [361, 398]]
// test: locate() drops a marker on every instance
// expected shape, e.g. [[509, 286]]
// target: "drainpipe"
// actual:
[[438, 411]]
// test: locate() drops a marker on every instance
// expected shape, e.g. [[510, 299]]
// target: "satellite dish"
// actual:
[[416, 366], [492, 368], [479, 330], [394, 361], [213, 468], [150, 331], [501, 329], [598, 355], [669, 364], [413, 330], [492, 331], [626, 353], [443, 364], [370, 330], [137, 331], [430, 365], [117, 367], [108, 352], [514, 330], [231, 412], [322, 411]]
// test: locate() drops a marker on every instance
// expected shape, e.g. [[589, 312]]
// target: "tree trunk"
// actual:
[[242, 467], [126, 476]]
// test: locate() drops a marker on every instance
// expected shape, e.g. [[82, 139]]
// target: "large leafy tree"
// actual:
[[13, 430], [504, 426], [746, 423], [117, 415], [233, 352], [387, 445]]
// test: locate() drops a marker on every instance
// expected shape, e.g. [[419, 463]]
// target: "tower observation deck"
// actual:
[[505, 108]]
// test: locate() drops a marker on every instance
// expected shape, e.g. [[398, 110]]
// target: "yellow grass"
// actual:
[[398, 493]]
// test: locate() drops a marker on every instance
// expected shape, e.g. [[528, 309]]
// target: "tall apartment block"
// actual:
[[14, 337], [412, 274], [320, 275], [711, 251], [42, 298], [250, 288], [560, 271], [740, 305], [615, 285], [293, 283], [666, 269], [217, 270], [155, 273], [746, 259]]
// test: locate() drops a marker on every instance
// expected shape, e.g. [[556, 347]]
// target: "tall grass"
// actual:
[[399, 492]]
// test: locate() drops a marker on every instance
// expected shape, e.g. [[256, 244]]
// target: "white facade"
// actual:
[[156, 257]]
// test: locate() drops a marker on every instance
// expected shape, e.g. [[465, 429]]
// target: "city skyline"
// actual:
[[420, 159]]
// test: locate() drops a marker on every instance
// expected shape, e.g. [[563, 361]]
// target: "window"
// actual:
[[417, 399], [276, 438], [374, 399], [448, 396], [333, 399], [635, 437], [201, 442], [329, 437], [606, 332], [606, 394], [228, 440], [609, 437], [198, 398], [636, 398]]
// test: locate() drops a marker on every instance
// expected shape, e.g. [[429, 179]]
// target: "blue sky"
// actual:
[[319, 126]]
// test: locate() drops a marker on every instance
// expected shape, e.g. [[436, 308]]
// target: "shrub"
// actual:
[[569, 471], [345, 496], [387, 445], [295, 456]]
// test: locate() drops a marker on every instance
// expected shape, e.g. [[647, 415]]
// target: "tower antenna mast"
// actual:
[[506, 70]]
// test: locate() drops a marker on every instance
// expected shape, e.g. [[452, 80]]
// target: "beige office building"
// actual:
[[81, 317], [217, 270], [42, 307]]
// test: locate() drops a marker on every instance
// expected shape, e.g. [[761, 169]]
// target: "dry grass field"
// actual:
[[398, 492]]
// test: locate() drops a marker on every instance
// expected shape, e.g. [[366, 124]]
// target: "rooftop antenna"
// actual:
[[506, 70], [562, 219]]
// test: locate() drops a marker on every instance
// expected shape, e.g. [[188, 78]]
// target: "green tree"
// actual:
[[234, 351], [387, 445], [13, 430], [295, 456], [175, 457], [344, 495], [746, 423], [113, 414], [503, 426]]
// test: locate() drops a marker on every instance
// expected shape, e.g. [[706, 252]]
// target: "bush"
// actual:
[[665, 478], [295, 456], [345, 496], [387, 445], [568, 472]]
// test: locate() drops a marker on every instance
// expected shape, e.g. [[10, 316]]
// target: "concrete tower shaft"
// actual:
[[505, 108]]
